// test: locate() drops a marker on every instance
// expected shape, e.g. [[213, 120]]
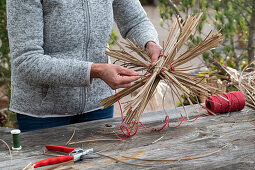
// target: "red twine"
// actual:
[[129, 131], [227, 102], [171, 67]]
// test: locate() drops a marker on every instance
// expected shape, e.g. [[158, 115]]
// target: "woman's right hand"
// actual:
[[113, 75]]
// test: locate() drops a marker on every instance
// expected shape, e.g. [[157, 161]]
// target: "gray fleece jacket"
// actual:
[[53, 45]]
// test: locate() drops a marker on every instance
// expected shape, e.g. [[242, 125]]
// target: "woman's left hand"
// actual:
[[154, 50]]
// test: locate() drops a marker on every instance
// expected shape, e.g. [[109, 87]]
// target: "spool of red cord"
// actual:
[[226, 102]]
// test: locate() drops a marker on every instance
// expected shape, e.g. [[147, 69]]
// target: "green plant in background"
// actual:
[[12, 120], [115, 37], [233, 18], [185, 100], [5, 65]]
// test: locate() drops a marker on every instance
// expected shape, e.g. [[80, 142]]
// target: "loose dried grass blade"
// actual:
[[180, 159], [10, 152], [96, 140]]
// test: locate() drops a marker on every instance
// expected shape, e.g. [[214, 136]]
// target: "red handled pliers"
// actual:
[[74, 154]]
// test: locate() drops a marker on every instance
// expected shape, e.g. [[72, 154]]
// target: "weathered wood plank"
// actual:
[[205, 135]]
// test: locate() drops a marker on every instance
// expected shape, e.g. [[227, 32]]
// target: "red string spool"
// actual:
[[219, 104]]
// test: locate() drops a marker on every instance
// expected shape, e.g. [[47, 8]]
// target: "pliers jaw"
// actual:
[[79, 153]]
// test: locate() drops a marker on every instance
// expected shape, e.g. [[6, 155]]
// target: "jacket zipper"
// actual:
[[86, 49]]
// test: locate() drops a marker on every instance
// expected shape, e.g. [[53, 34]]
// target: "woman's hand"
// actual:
[[154, 50], [113, 75]]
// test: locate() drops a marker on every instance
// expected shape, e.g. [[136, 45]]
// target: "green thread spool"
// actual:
[[15, 136]]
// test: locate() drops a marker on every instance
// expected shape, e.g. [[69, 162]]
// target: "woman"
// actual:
[[58, 47]]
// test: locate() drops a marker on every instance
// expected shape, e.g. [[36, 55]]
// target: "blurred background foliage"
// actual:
[[113, 36], [5, 66], [234, 19], [7, 118]]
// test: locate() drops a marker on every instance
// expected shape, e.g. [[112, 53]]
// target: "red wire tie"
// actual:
[[172, 68]]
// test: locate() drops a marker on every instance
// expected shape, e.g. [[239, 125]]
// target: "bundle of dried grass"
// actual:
[[166, 69], [244, 81]]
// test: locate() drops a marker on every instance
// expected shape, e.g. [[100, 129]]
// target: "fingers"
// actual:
[[154, 50], [123, 82], [115, 76], [124, 86], [124, 71], [127, 79], [154, 58]]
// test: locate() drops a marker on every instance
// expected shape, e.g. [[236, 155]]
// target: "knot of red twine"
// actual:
[[226, 102]]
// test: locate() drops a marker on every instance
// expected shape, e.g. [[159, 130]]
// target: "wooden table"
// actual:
[[231, 136]]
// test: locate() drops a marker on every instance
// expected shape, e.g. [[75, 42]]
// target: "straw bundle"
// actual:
[[166, 69], [244, 81]]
